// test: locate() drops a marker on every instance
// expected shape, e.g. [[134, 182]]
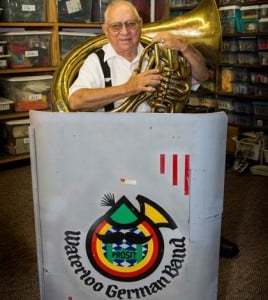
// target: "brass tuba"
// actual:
[[201, 26]]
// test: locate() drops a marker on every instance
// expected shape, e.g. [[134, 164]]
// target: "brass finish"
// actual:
[[201, 27], [173, 91]]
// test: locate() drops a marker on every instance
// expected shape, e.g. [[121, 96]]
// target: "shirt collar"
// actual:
[[109, 52]]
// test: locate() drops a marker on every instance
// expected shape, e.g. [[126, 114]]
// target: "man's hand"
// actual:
[[143, 82], [171, 41]]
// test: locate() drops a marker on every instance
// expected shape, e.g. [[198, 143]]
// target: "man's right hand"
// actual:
[[145, 81]]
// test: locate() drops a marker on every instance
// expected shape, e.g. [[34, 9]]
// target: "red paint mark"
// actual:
[[162, 163], [187, 174], [175, 169], [70, 298]]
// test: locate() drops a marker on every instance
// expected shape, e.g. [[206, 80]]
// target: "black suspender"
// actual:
[[107, 75]]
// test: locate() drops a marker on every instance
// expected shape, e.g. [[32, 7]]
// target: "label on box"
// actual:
[[73, 6], [32, 53], [28, 7], [35, 97], [26, 140], [5, 104], [3, 63]]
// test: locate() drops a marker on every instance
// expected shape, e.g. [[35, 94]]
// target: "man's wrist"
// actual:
[[185, 48]]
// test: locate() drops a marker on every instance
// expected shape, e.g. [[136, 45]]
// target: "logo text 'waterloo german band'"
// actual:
[[126, 245]]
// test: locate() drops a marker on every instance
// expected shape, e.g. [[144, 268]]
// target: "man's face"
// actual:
[[123, 29]]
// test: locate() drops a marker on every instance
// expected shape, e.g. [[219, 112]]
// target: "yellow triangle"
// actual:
[[154, 214]]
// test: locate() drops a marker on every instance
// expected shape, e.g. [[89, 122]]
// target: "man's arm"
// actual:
[[91, 99], [194, 57]]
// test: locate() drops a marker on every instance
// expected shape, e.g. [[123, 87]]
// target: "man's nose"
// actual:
[[124, 29]]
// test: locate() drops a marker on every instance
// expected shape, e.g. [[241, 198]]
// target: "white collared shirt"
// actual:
[[91, 74]]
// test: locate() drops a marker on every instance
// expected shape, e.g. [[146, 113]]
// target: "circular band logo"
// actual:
[[126, 244]]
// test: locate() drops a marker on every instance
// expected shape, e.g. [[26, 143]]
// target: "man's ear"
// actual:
[[104, 28]]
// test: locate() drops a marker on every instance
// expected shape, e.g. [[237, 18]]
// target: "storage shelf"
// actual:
[[13, 115], [247, 66], [8, 158], [80, 25], [26, 25], [246, 97], [256, 68], [28, 70], [54, 27], [243, 127]]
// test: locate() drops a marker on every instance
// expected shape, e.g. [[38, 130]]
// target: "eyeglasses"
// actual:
[[118, 26]]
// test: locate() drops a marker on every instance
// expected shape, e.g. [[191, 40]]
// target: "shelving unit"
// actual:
[[242, 90], [54, 27], [207, 91]]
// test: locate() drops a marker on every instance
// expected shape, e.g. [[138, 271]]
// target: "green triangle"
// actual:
[[123, 215]]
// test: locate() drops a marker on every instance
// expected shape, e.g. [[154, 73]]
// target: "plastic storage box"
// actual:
[[250, 58], [260, 108], [250, 12], [4, 61], [261, 122], [3, 47], [247, 44], [27, 92], [241, 74], [243, 107], [78, 11], [265, 155], [15, 129], [259, 77], [28, 49], [250, 25], [69, 40], [227, 77], [226, 104], [260, 90], [15, 136], [242, 88], [263, 58], [228, 12], [23, 11], [263, 11], [229, 58], [230, 44], [230, 19], [262, 43], [6, 105], [16, 146], [263, 25]]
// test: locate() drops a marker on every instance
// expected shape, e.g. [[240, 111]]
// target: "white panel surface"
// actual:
[[163, 175]]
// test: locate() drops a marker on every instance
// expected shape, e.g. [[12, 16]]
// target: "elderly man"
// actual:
[[122, 27]]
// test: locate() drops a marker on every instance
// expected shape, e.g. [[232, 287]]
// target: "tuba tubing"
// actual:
[[201, 26]]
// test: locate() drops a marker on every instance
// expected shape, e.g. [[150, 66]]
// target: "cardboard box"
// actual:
[[28, 49], [28, 92]]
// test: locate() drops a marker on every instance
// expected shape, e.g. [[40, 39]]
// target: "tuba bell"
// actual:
[[201, 26]]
